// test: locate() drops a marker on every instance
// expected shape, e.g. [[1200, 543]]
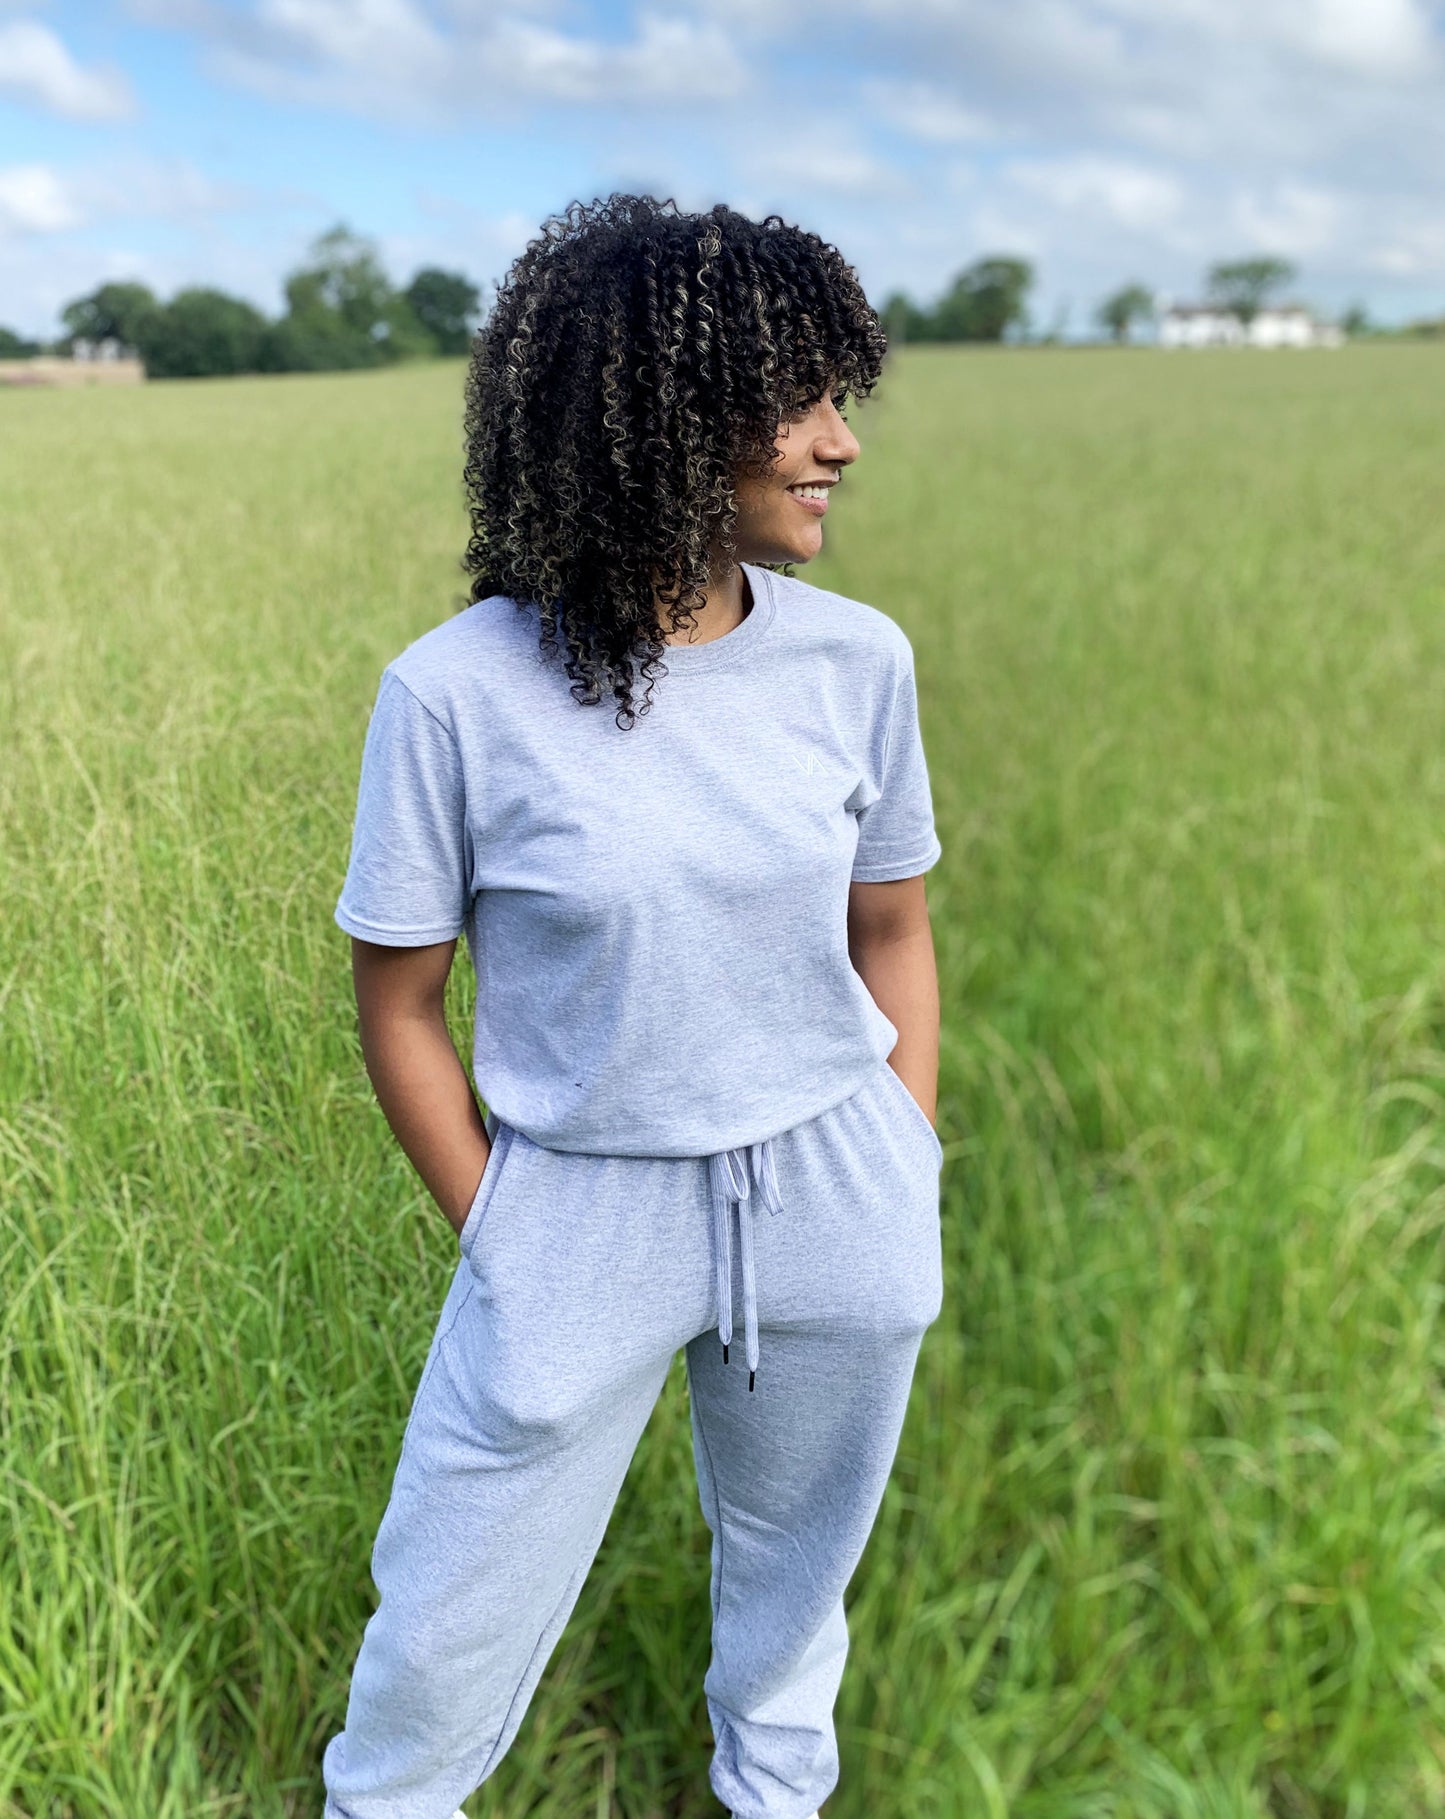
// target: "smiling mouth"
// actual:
[[812, 498]]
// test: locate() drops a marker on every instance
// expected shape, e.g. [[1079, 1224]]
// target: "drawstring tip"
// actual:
[[751, 1375], [725, 1352]]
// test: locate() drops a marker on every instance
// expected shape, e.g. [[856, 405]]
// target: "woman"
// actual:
[[678, 804]]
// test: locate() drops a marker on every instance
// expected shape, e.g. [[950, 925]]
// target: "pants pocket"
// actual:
[[913, 1113], [486, 1191]]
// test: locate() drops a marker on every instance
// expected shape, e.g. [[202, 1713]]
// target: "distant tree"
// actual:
[[1356, 321], [345, 276], [199, 333], [335, 307], [982, 304], [115, 312], [16, 347], [1129, 304], [1244, 285], [904, 321], [342, 311], [446, 305], [984, 301], [313, 344]]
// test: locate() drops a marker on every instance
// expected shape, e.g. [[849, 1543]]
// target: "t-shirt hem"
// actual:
[[887, 871], [694, 1148], [395, 937]]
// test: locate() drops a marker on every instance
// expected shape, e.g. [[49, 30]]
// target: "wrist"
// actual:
[[456, 1204]]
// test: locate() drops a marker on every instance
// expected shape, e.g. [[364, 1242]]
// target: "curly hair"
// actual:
[[636, 360]]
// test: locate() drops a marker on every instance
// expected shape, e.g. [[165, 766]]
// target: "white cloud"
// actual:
[[923, 111], [1132, 195], [793, 174], [1375, 37], [39, 199], [367, 38], [1232, 81], [1370, 38], [670, 59], [1413, 249], [1368, 31], [36, 67], [401, 59], [35, 199], [354, 31], [1294, 219]]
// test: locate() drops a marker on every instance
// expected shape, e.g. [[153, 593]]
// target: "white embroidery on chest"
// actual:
[[809, 763]]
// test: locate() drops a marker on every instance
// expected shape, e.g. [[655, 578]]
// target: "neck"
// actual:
[[726, 603]]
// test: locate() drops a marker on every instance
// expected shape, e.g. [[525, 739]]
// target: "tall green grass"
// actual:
[[1165, 1536]]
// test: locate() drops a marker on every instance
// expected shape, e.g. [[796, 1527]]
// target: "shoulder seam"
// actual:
[[847, 600], [426, 708]]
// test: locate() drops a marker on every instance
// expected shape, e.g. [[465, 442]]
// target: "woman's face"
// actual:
[[780, 514]]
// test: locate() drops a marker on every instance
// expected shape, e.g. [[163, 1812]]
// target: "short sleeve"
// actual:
[[896, 837], [408, 881]]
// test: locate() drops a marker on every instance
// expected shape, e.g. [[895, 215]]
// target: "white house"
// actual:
[[1199, 325], [1208, 325], [108, 349]]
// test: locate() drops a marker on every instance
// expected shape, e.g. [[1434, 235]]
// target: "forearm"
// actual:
[[901, 975], [423, 1091]]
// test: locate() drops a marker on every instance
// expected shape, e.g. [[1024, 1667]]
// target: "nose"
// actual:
[[835, 444]]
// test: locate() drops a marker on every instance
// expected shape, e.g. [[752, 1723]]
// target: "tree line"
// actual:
[[342, 311], [988, 301]]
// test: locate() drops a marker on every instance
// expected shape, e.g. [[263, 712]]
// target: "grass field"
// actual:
[[1166, 1538]]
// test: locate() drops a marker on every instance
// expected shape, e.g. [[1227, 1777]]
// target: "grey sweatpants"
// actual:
[[580, 1278]]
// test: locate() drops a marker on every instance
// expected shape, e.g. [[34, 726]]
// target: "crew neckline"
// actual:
[[734, 646]]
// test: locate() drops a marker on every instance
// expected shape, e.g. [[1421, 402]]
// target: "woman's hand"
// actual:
[[421, 1084]]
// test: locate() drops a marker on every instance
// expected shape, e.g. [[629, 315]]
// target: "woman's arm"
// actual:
[[420, 1082], [890, 941]]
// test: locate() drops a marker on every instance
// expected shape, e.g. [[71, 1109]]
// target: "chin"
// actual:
[[802, 551], [798, 549]]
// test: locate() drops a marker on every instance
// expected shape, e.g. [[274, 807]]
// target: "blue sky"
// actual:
[[208, 141]]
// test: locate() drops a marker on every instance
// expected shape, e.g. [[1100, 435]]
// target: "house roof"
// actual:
[[1223, 309]]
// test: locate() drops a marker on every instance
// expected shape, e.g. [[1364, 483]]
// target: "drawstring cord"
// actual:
[[729, 1186]]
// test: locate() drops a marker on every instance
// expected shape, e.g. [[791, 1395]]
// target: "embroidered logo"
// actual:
[[810, 764]]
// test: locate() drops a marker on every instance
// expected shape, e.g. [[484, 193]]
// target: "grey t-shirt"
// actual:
[[657, 917]]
